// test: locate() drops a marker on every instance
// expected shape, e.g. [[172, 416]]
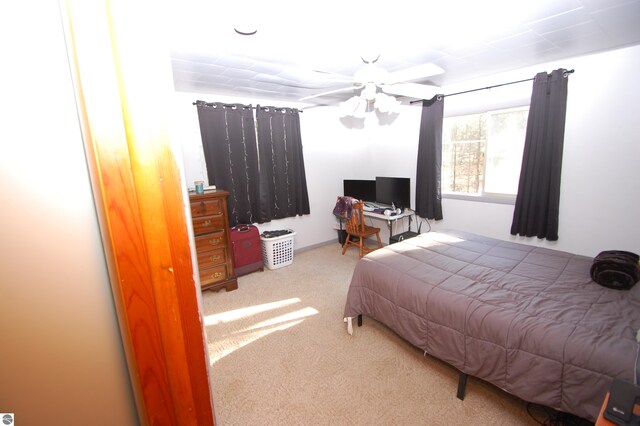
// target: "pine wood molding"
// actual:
[[123, 83]]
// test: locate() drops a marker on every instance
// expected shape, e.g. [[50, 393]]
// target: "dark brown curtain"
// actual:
[[428, 181], [538, 201], [231, 155], [283, 185]]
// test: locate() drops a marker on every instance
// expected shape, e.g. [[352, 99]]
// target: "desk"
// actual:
[[393, 218]]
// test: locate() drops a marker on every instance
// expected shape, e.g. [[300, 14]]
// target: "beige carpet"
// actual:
[[280, 355]]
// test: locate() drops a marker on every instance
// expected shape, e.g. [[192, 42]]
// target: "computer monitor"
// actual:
[[393, 190], [364, 190]]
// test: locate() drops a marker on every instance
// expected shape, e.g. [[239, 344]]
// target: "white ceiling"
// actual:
[[303, 48]]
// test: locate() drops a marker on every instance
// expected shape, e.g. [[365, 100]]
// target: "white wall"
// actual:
[[599, 202], [334, 149], [61, 356], [322, 144], [600, 181]]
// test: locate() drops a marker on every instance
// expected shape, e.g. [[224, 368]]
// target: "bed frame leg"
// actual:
[[360, 320], [462, 384]]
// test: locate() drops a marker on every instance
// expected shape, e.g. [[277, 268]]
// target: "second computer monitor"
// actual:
[[393, 190]]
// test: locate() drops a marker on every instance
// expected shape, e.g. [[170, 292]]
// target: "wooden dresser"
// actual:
[[213, 240]]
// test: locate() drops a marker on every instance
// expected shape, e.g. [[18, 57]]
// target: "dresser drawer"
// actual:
[[216, 239], [212, 240], [212, 275], [207, 224], [206, 207], [209, 259]]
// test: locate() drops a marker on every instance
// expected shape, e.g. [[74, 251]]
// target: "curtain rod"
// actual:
[[245, 106], [566, 72]]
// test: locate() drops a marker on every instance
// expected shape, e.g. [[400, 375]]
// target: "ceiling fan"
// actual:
[[372, 77]]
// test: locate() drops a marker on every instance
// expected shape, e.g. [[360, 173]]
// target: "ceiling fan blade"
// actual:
[[331, 92], [414, 73], [332, 76], [411, 90]]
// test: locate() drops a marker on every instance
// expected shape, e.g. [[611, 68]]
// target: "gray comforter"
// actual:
[[527, 319]]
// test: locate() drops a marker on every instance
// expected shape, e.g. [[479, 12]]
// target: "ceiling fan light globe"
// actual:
[[349, 107], [369, 92], [361, 109], [386, 104]]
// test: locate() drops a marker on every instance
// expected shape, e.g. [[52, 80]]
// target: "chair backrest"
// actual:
[[356, 223]]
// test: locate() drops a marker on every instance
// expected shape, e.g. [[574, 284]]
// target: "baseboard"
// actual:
[[313, 246]]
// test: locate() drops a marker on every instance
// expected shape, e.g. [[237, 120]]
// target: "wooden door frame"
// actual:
[[122, 81]]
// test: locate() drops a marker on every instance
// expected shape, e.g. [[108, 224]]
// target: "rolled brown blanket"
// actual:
[[616, 269]]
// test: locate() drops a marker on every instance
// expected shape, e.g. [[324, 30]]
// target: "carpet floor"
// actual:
[[280, 355]]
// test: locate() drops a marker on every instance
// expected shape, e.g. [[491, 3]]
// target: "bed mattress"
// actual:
[[527, 319]]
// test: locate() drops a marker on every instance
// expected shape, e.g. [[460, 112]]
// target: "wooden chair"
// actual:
[[356, 228]]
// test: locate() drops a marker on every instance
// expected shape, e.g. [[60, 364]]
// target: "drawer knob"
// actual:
[[214, 241], [216, 257], [216, 275], [206, 223]]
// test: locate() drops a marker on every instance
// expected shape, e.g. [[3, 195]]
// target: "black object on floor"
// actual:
[[401, 237]]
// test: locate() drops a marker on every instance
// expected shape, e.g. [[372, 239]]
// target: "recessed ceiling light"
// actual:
[[246, 31]]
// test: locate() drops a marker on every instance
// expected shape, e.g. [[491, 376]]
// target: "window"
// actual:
[[482, 153]]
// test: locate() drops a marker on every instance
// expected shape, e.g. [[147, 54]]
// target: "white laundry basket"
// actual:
[[277, 251]]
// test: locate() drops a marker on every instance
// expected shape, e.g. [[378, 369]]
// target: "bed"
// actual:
[[527, 319]]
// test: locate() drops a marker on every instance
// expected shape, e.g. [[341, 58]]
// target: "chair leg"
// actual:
[[346, 243], [379, 241], [361, 246]]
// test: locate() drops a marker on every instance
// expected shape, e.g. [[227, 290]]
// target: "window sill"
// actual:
[[493, 198]]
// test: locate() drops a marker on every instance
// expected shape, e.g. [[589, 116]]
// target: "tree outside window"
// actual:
[[482, 153]]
